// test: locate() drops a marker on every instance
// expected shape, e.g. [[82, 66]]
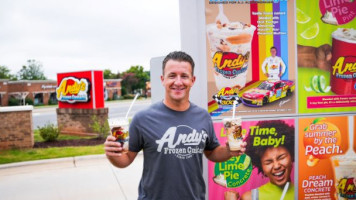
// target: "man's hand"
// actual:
[[116, 154], [231, 195], [113, 148], [237, 153]]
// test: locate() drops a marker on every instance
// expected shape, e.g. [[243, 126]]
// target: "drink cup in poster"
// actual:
[[345, 174], [120, 130], [343, 61], [230, 47], [234, 135]]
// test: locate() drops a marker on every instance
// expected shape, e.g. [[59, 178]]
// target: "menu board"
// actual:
[[250, 57], [326, 158], [326, 53]]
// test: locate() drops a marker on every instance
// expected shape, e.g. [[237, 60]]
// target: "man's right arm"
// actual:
[[116, 155], [264, 65]]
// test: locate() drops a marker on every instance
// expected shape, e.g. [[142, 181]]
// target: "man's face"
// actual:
[[177, 79], [277, 165], [273, 52]]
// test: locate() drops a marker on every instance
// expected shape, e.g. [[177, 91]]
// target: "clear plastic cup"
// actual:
[[230, 43], [233, 133], [345, 174], [120, 130]]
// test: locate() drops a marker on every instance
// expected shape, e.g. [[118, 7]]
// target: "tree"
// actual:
[[5, 73], [109, 75], [141, 75], [129, 81], [33, 71]]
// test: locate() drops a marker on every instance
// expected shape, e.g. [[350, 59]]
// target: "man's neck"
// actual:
[[177, 105]]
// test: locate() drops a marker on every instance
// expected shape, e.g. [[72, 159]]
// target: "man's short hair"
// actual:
[[273, 47], [178, 56]]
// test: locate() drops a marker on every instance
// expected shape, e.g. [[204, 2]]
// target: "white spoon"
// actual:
[[221, 16]]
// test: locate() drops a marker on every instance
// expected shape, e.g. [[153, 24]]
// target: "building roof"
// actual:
[[33, 81]]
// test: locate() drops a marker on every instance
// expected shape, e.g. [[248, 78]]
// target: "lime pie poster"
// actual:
[[266, 168], [250, 55], [326, 51]]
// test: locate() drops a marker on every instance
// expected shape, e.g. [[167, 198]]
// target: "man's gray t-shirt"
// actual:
[[173, 143]]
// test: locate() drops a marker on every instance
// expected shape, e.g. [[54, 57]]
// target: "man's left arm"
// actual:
[[223, 153], [283, 67]]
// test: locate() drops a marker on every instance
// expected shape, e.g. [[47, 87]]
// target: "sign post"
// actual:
[[80, 98]]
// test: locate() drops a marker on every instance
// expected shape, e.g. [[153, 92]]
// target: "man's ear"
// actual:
[[162, 79], [193, 79]]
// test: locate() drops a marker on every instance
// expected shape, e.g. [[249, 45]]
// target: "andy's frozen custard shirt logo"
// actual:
[[182, 141], [73, 90], [230, 64]]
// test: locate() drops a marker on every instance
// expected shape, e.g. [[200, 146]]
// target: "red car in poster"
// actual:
[[268, 91]]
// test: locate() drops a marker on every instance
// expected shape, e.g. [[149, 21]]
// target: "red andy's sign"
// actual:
[[80, 90]]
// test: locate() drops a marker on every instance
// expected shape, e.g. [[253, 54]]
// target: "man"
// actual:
[[273, 67], [173, 135]]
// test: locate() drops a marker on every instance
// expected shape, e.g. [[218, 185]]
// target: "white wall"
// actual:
[[192, 28]]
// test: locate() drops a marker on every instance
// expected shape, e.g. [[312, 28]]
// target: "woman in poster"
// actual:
[[272, 161]]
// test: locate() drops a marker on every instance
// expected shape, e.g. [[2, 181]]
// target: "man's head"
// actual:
[[177, 77], [178, 56], [273, 51]]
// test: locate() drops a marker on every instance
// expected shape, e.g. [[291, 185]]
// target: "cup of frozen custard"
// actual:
[[120, 130], [345, 174], [230, 47], [233, 131], [343, 61]]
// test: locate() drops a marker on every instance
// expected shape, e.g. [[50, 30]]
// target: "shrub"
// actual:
[[52, 102], [129, 96], [123, 91], [14, 102], [28, 101], [100, 127], [49, 132]]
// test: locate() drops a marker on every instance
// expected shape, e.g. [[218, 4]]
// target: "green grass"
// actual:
[[19, 155]]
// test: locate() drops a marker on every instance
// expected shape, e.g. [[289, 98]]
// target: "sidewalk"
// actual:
[[74, 178]]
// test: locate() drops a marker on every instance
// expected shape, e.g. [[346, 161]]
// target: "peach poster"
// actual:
[[325, 161]]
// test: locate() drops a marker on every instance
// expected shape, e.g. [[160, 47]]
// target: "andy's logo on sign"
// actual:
[[227, 96], [73, 90]]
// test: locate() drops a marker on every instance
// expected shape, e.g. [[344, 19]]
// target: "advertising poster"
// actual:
[[326, 163], [265, 171], [250, 57], [326, 49]]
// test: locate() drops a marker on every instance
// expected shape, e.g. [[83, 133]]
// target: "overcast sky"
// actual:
[[75, 35]]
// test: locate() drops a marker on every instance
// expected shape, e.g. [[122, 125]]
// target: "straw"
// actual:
[[132, 103], [285, 191], [233, 110]]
